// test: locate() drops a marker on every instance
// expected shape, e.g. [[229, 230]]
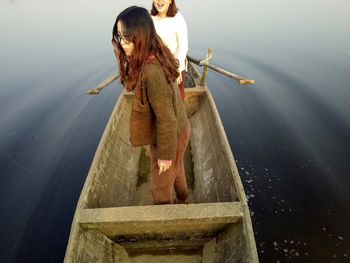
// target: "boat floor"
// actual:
[[176, 258]]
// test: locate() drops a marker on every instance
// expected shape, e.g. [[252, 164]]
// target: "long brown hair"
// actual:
[[172, 10], [138, 27]]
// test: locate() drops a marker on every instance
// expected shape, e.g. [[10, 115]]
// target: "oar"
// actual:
[[201, 63], [104, 84], [205, 63]]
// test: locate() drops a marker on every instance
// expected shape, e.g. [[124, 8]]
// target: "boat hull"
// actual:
[[115, 220]]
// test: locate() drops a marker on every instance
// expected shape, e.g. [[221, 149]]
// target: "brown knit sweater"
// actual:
[[167, 107]]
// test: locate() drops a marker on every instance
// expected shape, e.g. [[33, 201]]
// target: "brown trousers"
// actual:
[[162, 184]]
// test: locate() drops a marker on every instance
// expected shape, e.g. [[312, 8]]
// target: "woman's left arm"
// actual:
[[160, 97]]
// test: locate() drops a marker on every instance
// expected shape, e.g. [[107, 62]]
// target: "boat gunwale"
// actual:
[[249, 234], [73, 236]]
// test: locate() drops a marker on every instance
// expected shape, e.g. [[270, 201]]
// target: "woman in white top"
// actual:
[[171, 27]]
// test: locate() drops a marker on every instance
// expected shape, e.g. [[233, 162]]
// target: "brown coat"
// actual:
[[167, 109]]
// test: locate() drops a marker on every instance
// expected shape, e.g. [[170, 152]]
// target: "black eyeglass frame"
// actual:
[[119, 39]]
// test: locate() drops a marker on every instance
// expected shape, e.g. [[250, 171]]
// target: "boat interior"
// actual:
[[117, 222]]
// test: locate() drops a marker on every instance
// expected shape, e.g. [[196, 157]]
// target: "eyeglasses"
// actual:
[[121, 39]]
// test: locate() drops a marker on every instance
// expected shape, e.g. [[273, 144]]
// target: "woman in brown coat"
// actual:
[[148, 68]]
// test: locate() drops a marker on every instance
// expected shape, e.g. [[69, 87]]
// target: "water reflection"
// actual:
[[306, 133]]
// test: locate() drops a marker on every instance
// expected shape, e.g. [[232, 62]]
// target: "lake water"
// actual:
[[290, 133]]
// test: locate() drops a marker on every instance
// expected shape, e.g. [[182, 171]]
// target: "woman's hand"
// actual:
[[179, 79], [164, 165]]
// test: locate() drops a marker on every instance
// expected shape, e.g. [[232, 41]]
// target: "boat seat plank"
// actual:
[[162, 221], [207, 212]]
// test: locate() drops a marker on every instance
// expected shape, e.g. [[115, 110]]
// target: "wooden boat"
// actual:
[[115, 221]]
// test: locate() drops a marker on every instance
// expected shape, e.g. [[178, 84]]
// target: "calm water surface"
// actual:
[[290, 133]]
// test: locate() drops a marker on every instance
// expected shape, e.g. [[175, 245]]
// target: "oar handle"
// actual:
[[246, 81], [102, 85], [241, 80]]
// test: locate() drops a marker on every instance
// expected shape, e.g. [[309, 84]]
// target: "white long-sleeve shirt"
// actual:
[[173, 32]]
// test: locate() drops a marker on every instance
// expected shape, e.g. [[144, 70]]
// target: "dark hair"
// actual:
[[138, 27], [171, 11]]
